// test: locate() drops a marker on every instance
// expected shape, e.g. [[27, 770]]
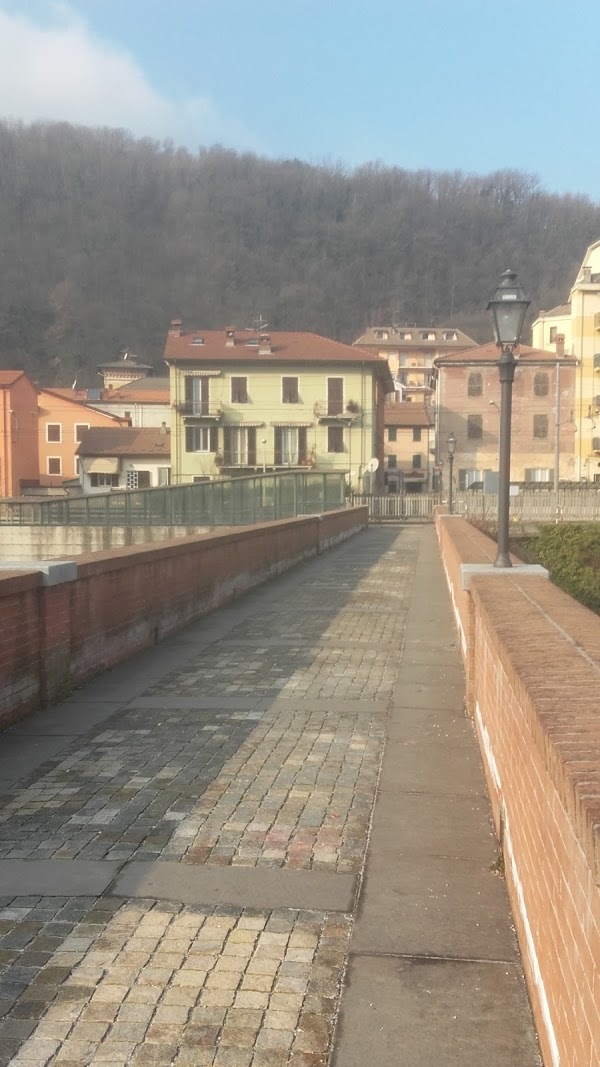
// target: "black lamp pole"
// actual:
[[508, 306], [451, 442]]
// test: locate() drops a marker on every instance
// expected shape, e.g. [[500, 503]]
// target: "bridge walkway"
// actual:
[[264, 842]]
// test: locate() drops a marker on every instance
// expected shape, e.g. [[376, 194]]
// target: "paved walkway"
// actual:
[[265, 842]]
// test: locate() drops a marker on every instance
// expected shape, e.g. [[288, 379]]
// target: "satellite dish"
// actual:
[[372, 465]]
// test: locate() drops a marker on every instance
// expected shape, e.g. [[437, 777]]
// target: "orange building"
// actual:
[[19, 464], [62, 421]]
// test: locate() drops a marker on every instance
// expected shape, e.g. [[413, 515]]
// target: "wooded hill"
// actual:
[[105, 238]]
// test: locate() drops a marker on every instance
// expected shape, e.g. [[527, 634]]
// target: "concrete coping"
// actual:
[[53, 573], [468, 571]]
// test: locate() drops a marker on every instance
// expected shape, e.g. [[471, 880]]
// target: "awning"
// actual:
[[103, 465], [294, 424]]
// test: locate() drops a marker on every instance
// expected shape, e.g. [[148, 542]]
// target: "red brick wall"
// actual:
[[532, 657], [54, 637]]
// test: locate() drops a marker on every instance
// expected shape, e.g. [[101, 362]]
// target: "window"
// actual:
[[416, 461], [289, 390], [201, 438], [104, 481], [335, 399], [428, 335], [540, 425], [164, 475], [335, 438], [196, 395], [392, 433], [290, 445], [469, 478], [391, 462], [382, 335], [405, 336], [138, 480], [541, 384], [553, 330], [450, 335], [54, 465], [240, 446], [539, 474], [475, 427], [54, 432], [475, 384], [239, 390], [80, 428], [416, 433]]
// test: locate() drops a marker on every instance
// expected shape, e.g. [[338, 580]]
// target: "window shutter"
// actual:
[[227, 443], [214, 439], [335, 396], [278, 449], [462, 478], [189, 438], [302, 447], [251, 446], [189, 388]]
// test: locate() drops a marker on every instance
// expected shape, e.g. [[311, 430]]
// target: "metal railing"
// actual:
[[566, 505], [228, 502], [397, 507]]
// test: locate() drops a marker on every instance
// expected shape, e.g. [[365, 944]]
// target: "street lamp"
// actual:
[[451, 442], [508, 307]]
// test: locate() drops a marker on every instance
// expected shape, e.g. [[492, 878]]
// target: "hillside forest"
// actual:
[[105, 238]]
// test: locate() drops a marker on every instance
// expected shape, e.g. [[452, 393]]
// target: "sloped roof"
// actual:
[[125, 441], [9, 377], [406, 414], [489, 353], [561, 310], [154, 391], [284, 348], [395, 339]]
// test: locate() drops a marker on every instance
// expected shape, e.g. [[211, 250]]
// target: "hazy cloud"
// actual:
[[62, 72]]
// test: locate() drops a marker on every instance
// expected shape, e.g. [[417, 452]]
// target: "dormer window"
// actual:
[[428, 335], [198, 340], [450, 335], [252, 342], [382, 335], [405, 336]]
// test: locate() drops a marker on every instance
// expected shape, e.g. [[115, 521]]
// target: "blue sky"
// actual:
[[471, 85]]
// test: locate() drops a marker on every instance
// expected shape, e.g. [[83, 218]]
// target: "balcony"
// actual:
[[336, 412], [200, 409]]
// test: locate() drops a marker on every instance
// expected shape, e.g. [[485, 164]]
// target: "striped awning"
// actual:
[[293, 424]]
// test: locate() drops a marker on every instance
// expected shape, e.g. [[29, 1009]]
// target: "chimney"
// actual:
[[163, 428], [559, 341], [175, 327], [264, 344], [229, 336]]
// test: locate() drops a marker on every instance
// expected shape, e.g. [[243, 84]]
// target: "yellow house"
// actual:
[[245, 402], [578, 322]]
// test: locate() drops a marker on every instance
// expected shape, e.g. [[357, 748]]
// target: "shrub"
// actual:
[[571, 552]]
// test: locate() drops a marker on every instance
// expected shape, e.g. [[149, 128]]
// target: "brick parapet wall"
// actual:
[[54, 637], [533, 661]]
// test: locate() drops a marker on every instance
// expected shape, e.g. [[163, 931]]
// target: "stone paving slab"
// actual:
[[243, 887], [55, 877], [436, 1013]]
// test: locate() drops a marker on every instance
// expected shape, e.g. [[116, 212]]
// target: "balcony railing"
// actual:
[[200, 409], [324, 410]]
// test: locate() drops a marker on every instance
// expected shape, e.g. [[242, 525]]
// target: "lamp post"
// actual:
[[451, 442], [508, 306]]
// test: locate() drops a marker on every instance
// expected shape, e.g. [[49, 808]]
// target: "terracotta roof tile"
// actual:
[[406, 414], [489, 353], [124, 441], [9, 377], [284, 348]]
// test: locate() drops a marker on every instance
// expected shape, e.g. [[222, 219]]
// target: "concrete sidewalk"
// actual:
[[207, 851]]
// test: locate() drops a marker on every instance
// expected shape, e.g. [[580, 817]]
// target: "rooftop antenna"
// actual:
[[258, 323]]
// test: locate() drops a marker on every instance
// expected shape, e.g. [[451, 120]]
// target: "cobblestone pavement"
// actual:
[[281, 776]]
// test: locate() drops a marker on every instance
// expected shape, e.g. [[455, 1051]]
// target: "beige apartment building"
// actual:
[[411, 351], [408, 447], [578, 322]]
